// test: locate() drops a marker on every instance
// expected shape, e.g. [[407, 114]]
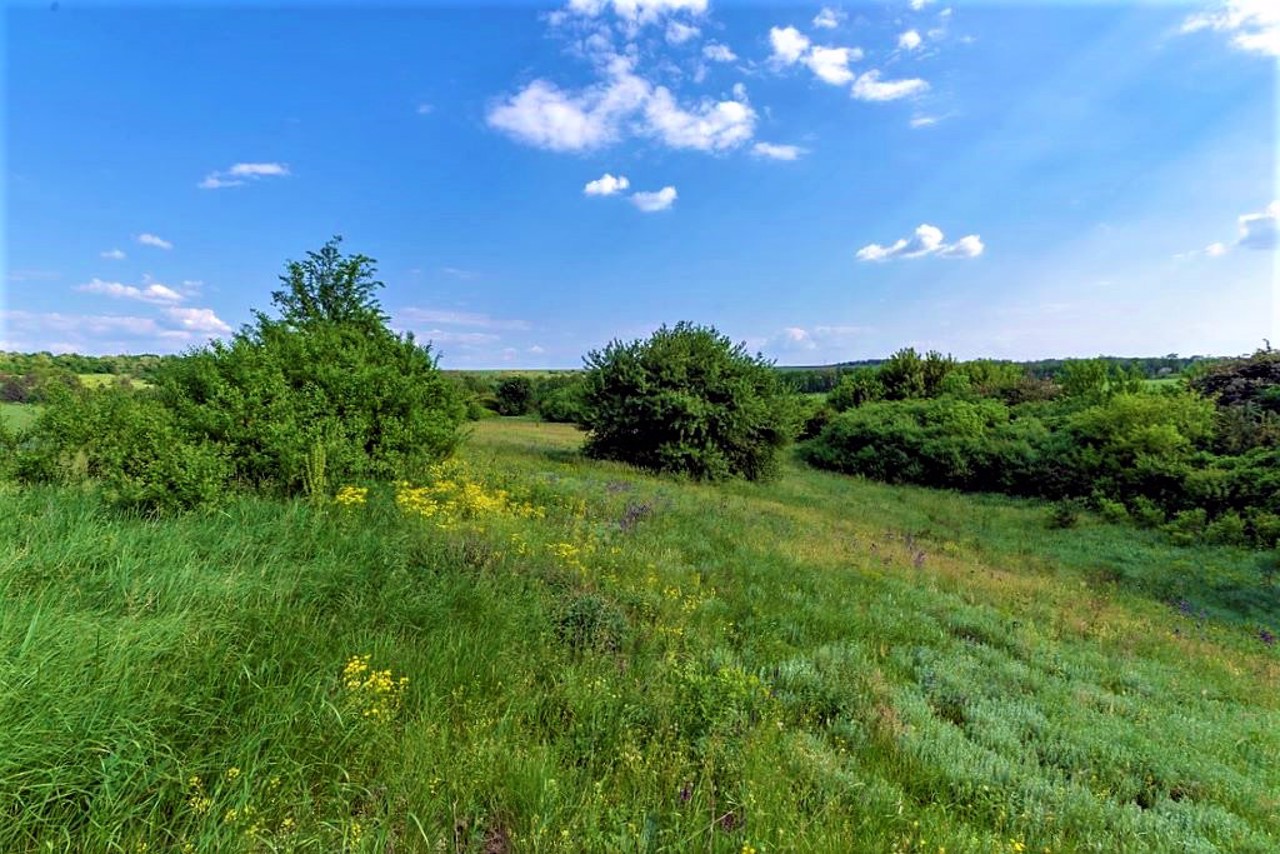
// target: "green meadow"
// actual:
[[536, 652]]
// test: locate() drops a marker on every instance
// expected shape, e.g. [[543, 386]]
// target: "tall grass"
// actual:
[[813, 664]]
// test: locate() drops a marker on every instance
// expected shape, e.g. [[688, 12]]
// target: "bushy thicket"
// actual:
[[688, 401], [1097, 434], [324, 394]]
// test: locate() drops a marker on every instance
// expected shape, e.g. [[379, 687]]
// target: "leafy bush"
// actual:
[[514, 396], [687, 401], [131, 443], [327, 383], [327, 391]]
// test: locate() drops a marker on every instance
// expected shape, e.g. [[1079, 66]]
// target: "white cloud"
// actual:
[[777, 152], [466, 319], [927, 240], [828, 18], [831, 64], [718, 52], [910, 40], [241, 173], [917, 5], [459, 273], [709, 126], [113, 254], [1261, 230], [653, 202], [638, 11], [1254, 25], [606, 185], [201, 320], [537, 350], [546, 116], [789, 44], [425, 109], [924, 121], [154, 292], [678, 33], [152, 240], [869, 87], [1215, 250]]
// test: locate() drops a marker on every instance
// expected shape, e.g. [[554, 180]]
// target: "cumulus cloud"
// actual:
[[624, 103], [910, 40], [828, 18], [242, 173], [917, 5], [869, 87], [638, 11], [198, 320], [707, 126], [153, 240], [606, 185], [1254, 25], [831, 64], [789, 44], [1261, 230], [656, 201], [678, 33], [153, 292], [113, 254], [927, 240], [777, 152], [717, 52]]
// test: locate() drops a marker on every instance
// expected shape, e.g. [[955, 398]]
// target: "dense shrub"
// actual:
[[686, 400], [326, 393], [514, 396], [130, 442], [561, 398]]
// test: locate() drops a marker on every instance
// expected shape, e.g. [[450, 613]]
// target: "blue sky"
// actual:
[[823, 181]]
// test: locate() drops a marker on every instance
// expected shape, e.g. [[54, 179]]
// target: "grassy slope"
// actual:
[[816, 664]]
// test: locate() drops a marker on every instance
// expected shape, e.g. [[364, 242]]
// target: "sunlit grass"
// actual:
[[815, 664]]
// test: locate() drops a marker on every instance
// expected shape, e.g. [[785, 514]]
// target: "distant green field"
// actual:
[[101, 380], [18, 415]]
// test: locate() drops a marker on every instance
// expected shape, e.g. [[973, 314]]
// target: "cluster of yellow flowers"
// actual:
[[376, 693], [452, 496], [351, 496]]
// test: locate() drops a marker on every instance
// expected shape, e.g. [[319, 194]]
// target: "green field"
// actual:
[[600, 660]]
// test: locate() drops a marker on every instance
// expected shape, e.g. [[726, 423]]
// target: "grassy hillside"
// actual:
[[595, 659]]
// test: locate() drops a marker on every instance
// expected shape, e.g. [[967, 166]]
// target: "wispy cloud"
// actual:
[[869, 87], [113, 254], [153, 240], [637, 11], [1254, 25], [1261, 230], [153, 292], [828, 18], [465, 319], [678, 33], [653, 202], [927, 240], [425, 109], [716, 52], [242, 173], [778, 152]]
